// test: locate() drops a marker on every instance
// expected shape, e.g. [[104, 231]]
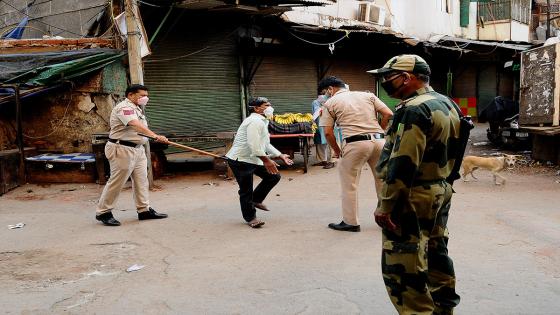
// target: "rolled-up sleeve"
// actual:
[[327, 119], [126, 114], [272, 151]]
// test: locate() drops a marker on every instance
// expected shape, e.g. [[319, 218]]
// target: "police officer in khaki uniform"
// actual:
[[363, 138], [127, 157]]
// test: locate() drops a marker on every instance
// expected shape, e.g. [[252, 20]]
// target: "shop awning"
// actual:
[[51, 68], [463, 43]]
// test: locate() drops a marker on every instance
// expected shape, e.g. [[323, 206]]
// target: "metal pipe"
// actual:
[[160, 26], [19, 136]]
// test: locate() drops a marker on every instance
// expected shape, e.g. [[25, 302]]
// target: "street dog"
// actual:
[[493, 164]]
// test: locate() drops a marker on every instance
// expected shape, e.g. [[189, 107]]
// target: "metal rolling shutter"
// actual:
[[487, 89], [354, 74], [290, 83], [198, 94]]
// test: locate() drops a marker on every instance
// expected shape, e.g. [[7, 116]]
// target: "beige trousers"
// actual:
[[125, 162], [354, 156], [324, 153]]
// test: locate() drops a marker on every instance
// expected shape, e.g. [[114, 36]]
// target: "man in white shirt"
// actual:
[[250, 154]]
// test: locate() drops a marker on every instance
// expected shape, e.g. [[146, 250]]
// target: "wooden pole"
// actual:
[[19, 136], [135, 63]]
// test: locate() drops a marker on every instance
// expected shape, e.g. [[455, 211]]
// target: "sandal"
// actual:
[[255, 223]]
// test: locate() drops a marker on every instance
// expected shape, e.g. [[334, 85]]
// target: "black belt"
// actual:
[[364, 137], [125, 143]]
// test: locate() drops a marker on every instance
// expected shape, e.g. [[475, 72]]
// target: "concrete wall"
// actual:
[[419, 18], [66, 18], [498, 31], [519, 32]]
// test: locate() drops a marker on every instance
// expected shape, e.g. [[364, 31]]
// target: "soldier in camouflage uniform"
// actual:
[[415, 199]]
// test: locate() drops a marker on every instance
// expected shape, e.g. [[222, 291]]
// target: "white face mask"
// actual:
[[143, 101], [268, 112]]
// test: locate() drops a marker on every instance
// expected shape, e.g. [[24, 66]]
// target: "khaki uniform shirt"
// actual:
[[355, 112], [121, 115]]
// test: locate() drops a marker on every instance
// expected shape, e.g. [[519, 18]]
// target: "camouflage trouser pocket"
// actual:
[[400, 257]]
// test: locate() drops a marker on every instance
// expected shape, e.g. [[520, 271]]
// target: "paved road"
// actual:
[[204, 260]]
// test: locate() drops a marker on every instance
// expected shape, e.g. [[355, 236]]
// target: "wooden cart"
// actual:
[[293, 143]]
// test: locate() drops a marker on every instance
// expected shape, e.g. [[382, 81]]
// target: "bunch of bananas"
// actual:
[[291, 118]]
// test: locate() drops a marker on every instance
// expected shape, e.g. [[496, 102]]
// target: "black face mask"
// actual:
[[390, 88]]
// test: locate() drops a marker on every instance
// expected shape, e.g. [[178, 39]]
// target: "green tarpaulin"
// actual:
[[54, 67]]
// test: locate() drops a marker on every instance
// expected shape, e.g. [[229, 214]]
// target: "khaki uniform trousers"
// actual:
[[354, 156], [125, 162]]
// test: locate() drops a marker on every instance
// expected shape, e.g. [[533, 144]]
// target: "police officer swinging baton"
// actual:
[[175, 144]]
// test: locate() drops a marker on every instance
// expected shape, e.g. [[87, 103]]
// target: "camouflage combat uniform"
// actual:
[[416, 159]]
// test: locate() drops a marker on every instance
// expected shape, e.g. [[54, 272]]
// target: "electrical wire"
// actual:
[[152, 5], [38, 20], [179, 57], [195, 52]]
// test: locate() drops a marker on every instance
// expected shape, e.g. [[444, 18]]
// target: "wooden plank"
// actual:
[[550, 131], [38, 172]]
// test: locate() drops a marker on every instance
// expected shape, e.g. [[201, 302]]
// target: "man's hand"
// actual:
[[271, 166], [336, 153], [384, 220], [286, 159], [161, 139]]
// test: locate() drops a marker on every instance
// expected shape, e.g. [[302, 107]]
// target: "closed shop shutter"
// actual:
[[198, 94], [290, 83], [354, 74], [464, 82], [486, 86]]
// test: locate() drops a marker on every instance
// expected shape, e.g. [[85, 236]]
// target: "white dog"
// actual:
[[493, 164]]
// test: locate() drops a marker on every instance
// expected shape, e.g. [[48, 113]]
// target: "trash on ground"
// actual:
[[290, 179], [476, 144], [210, 184], [135, 267], [16, 226]]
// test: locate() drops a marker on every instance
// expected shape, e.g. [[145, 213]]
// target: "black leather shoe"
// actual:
[[344, 227], [151, 214], [107, 219]]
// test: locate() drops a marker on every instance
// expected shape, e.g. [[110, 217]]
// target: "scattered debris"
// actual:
[[29, 191], [211, 184], [135, 267], [476, 144], [277, 195], [16, 226], [70, 189], [290, 179]]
